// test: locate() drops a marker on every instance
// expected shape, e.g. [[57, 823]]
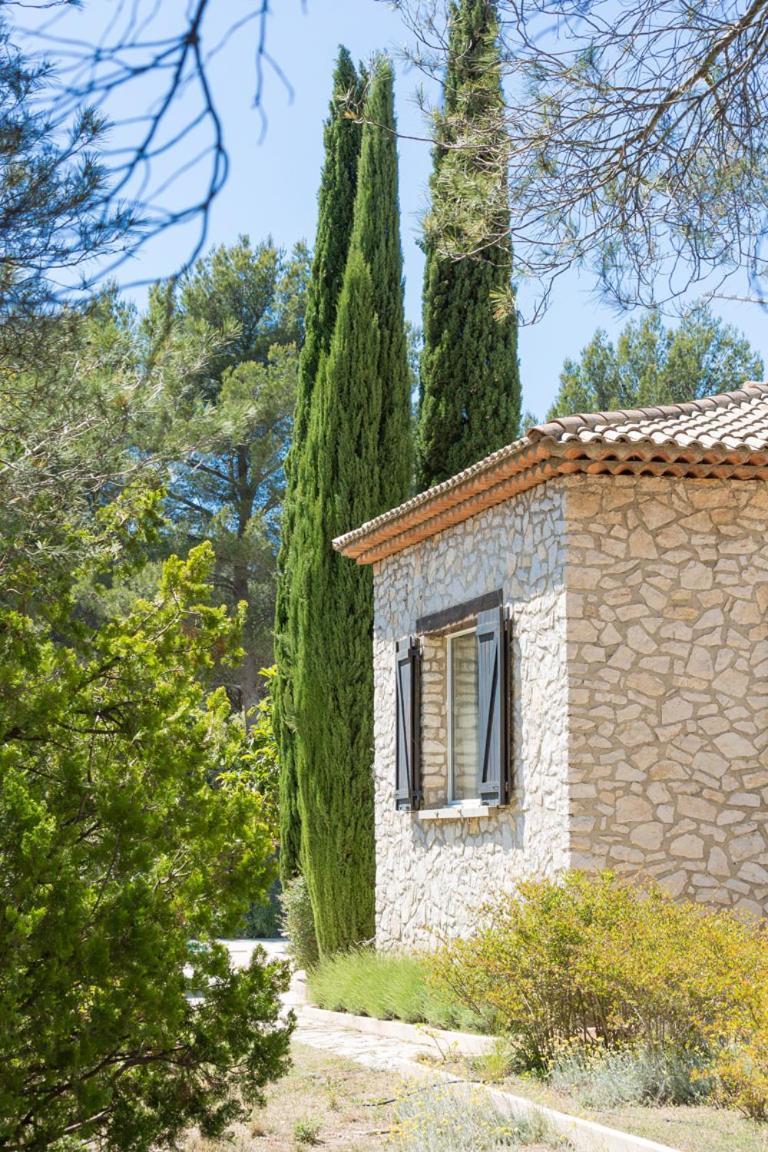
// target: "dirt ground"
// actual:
[[326, 1102], [323, 1102]]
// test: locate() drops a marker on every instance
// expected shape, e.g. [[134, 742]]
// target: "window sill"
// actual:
[[455, 812]]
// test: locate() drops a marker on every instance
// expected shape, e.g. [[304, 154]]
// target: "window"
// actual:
[[462, 714], [451, 708]]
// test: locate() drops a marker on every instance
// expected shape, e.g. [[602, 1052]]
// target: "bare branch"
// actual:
[[174, 131]]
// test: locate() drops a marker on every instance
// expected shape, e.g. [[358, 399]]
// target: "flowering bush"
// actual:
[[599, 962], [739, 1036], [742, 1076]]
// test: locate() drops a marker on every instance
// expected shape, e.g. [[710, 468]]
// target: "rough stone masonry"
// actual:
[[639, 694]]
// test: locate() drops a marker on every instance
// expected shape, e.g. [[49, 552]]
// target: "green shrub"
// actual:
[[306, 1131], [299, 924], [604, 963], [388, 986], [602, 1078]]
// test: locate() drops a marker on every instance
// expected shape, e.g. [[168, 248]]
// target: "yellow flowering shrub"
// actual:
[[597, 961], [739, 1037], [742, 1076]]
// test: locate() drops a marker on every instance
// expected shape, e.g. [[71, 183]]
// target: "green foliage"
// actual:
[[356, 464], [470, 385], [375, 243], [307, 1131], [652, 364], [130, 832], [387, 986], [299, 923], [249, 298], [71, 404], [227, 423], [128, 827], [334, 226], [260, 762], [496, 1065], [260, 755], [596, 961]]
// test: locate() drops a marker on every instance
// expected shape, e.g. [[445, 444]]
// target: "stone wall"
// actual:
[[667, 603], [639, 697], [432, 875]]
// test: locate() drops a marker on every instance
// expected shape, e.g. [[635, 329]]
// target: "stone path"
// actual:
[[380, 1052], [406, 1057]]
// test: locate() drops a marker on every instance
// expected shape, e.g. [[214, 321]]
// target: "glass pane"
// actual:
[[464, 716]]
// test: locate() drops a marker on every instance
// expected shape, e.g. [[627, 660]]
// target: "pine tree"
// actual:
[[470, 385], [360, 452], [336, 200]]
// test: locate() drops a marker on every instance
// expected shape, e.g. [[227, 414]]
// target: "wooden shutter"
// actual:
[[407, 738], [492, 699]]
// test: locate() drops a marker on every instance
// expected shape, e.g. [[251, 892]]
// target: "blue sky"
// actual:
[[273, 181]]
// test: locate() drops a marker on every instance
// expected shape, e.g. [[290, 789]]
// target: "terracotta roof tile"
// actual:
[[716, 436], [734, 419]]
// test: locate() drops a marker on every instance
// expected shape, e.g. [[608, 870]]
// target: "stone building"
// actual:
[[571, 665]]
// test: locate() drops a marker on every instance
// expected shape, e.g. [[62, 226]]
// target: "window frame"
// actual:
[[451, 799]]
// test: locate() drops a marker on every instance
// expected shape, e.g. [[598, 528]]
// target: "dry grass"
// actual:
[[323, 1102], [327, 1102], [692, 1128]]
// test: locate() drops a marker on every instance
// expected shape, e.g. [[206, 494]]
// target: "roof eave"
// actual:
[[455, 492], [532, 463]]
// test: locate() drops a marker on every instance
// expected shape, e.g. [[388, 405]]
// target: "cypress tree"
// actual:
[[336, 200], [470, 385], [359, 446]]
